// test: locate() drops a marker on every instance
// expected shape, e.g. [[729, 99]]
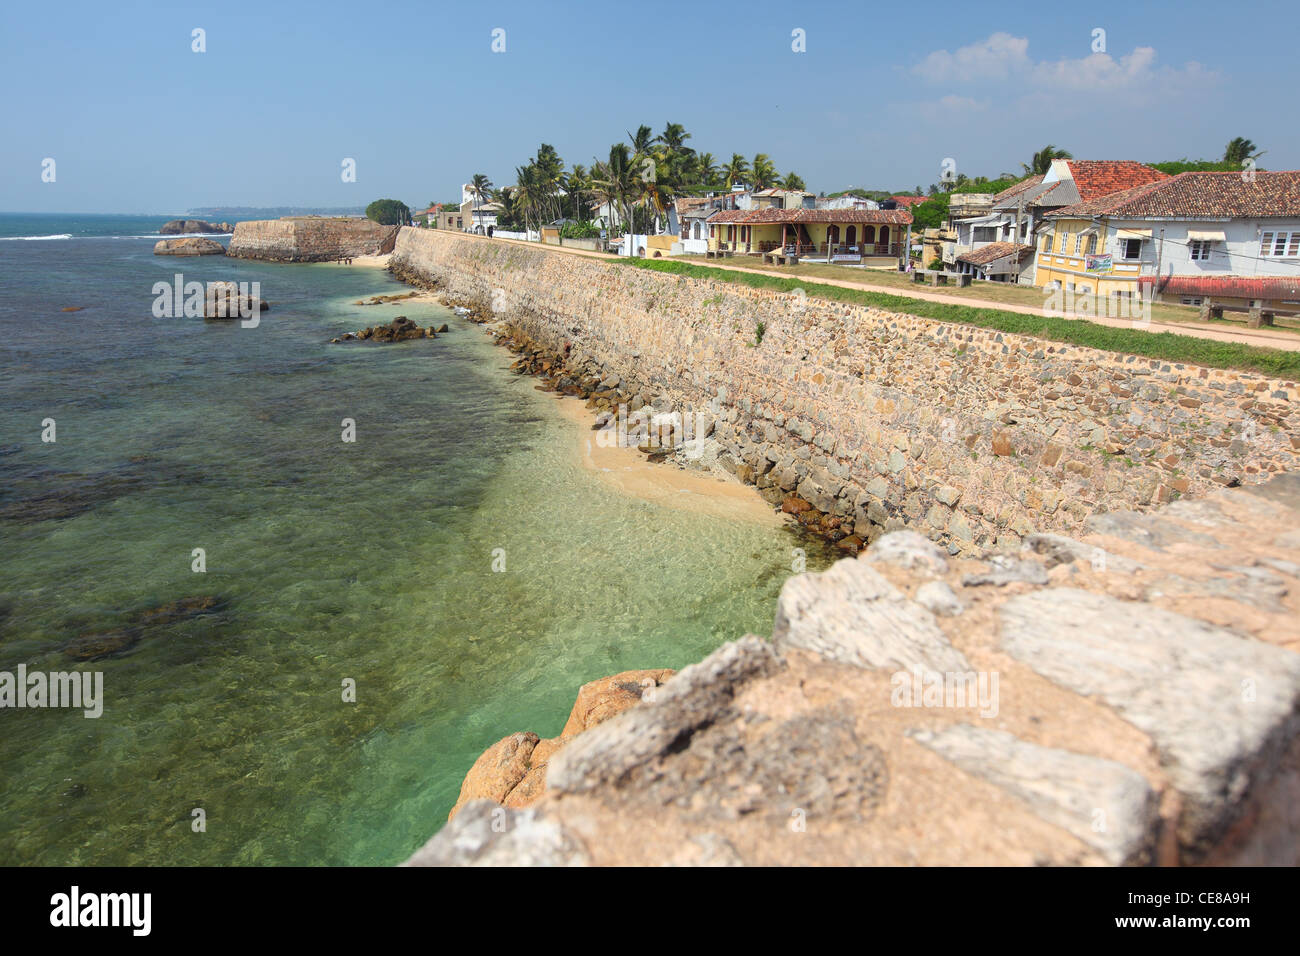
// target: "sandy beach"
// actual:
[[629, 471], [373, 262]]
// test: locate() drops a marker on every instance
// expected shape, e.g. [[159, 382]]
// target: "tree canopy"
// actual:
[[389, 212]]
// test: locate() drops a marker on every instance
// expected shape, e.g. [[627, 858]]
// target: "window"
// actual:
[[1191, 300], [1130, 248], [1199, 249], [1078, 244], [1060, 246], [1092, 245], [1280, 245]]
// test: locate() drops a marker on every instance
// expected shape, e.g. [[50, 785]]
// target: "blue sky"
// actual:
[[137, 122]]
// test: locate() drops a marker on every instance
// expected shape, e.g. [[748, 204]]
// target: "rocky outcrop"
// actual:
[[1129, 696], [401, 329], [178, 227], [879, 420], [192, 246], [225, 300], [512, 772], [310, 239]]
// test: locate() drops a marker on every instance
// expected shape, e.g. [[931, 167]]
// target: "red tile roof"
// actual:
[[1244, 287], [686, 204], [994, 250], [1201, 196], [910, 200], [751, 217], [1012, 191], [1097, 177]]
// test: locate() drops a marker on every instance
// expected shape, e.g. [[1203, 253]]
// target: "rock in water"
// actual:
[[98, 645], [192, 246], [93, 647], [512, 772], [223, 300], [400, 329], [178, 227]]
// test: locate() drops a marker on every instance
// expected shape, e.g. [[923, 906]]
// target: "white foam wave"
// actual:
[[62, 235]]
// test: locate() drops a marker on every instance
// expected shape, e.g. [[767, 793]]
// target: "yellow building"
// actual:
[[876, 238], [1075, 252]]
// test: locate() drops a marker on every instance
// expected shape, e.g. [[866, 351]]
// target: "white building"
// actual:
[[1230, 238]]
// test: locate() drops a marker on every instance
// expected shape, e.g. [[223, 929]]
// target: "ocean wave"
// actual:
[[62, 235], [154, 236]]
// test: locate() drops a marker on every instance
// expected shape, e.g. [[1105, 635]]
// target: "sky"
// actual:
[[137, 121]]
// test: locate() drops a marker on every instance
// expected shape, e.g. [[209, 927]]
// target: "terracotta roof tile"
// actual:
[[1201, 196], [1098, 177], [898, 217], [994, 250], [1012, 191], [1246, 287]]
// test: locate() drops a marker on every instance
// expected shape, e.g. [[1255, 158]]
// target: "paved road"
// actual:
[[1264, 338]]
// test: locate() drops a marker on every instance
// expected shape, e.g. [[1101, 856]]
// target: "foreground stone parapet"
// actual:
[[513, 771], [851, 614], [695, 697], [488, 835], [1118, 698], [1219, 707], [1103, 803]]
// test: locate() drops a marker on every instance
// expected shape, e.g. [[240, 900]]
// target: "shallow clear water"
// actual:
[[369, 561]]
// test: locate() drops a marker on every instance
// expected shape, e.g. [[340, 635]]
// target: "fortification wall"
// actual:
[[310, 239], [975, 437]]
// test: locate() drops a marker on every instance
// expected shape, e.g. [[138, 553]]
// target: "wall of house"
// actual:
[[1238, 256], [972, 436]]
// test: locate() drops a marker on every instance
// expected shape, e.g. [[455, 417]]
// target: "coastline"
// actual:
[[630, 472]]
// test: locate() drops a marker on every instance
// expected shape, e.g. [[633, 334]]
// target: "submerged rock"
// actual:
[[101, 644]]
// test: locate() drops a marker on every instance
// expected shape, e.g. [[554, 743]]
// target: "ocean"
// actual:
[[226, 737]]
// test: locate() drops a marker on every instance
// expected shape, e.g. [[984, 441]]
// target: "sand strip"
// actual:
[[630, 472]]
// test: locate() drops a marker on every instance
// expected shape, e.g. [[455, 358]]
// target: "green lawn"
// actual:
[[1166, 346], [1001, 292]]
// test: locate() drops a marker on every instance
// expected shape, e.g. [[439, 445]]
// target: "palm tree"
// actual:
[[762, 173], [505, 198], [480, 188], [602, 188], [579, 183], [550, 179], [531, 194], [617, 180], [736, 170], [793, 182], [1240, 149], [1042, 160], [705, 173], [674, 137], [641, 140]]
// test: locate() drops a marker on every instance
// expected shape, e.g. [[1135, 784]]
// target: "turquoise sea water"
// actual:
[[370, 562]]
